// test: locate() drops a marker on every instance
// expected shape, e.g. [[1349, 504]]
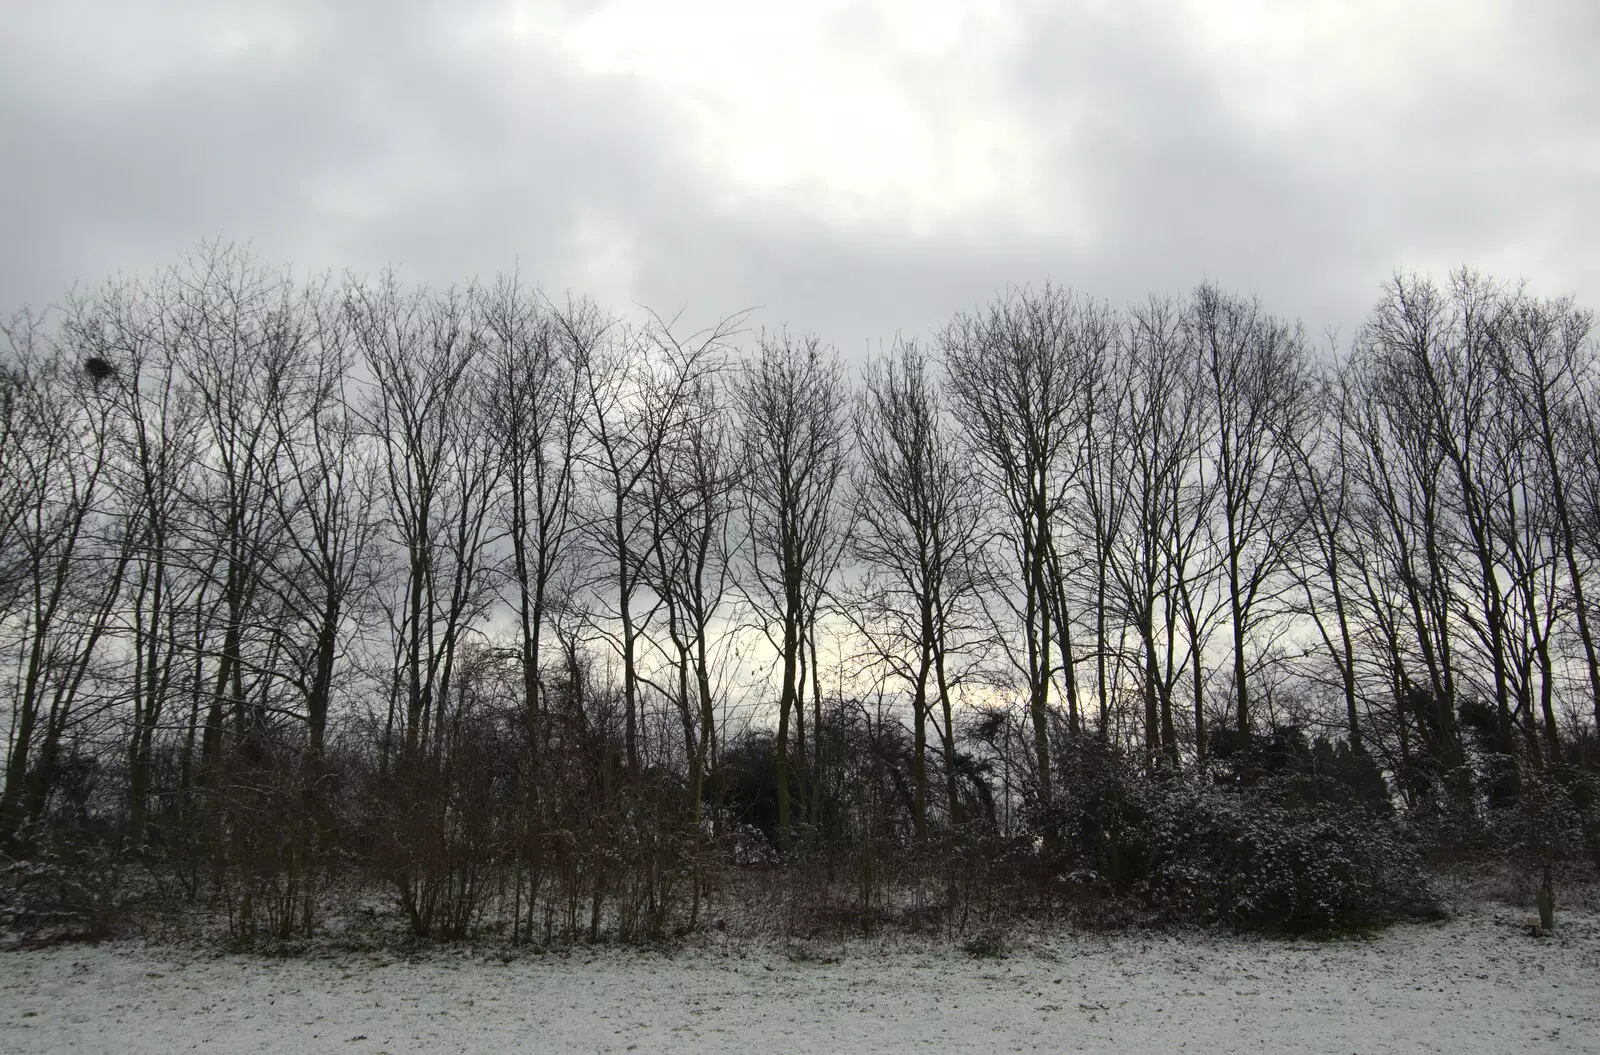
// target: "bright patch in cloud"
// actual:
[[884, 114], [1365, 61]]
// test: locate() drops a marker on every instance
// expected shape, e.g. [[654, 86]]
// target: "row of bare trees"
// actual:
[[519, 604]]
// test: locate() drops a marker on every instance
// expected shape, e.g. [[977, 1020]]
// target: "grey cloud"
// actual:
[[388, 133], [466, 161], [1313, 217]]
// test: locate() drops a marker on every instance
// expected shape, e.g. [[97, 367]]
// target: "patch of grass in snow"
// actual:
[[990, 943]]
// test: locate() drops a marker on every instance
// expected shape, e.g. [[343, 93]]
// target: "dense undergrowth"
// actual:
[[1277, 834]]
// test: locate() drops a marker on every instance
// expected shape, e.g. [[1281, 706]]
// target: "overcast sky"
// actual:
[[854, 169]]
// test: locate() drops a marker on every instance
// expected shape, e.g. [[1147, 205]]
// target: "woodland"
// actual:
[[476, 613]]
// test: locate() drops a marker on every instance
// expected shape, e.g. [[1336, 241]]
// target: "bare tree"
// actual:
[[1260, 385], [1106, 403], [440, 481], [131, 328], [1402, 521], [535, 362], [1154, 455], [793, 404], [238, 334], [442, 486], [1015, 372], [639, 392], [328, 485], [1322, 480], [1548, 360], [692, 489], [917, 525], [70, 558]]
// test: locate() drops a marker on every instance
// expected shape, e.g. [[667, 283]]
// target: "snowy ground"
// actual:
[[1474, 984]]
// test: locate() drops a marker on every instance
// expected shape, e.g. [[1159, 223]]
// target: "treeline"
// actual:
[[555, 624]]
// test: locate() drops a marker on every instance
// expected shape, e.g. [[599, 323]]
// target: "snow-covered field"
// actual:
[[1474, 984]]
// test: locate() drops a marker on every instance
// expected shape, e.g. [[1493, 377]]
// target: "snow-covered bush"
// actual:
[[1271, 856], [1278, 845], [65, 889]]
